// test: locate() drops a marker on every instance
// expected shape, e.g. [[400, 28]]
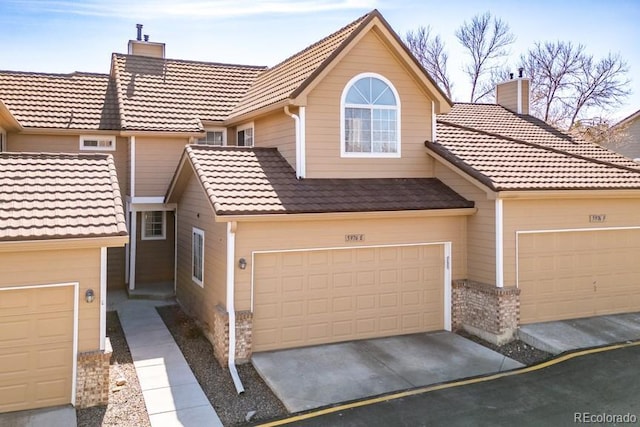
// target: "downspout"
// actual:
[[499, 245], [231, 266], [296, 119], [103, 298]]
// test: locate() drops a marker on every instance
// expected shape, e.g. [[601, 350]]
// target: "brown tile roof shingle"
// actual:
[[244, 181], [61, 101], [506, 151], [280, 81], [58, 196], [158, 94]]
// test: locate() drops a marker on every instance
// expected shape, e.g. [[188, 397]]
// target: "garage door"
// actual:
[[323, 296], [578, 274], [36, 347]]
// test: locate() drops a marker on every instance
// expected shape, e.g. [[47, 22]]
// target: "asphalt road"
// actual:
[[592, 387]]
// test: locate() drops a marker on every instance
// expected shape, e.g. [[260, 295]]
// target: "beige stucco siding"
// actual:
[[155, 258], [560, 214], [323, 119], [276, 236], [194, 211], [70, 144], [61, 266], [481, 226], [156, 161], [277, 130]]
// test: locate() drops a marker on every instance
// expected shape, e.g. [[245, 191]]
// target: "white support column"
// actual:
[[447, 286], [175, 250], [499, 244], [103, 297], [133, 244], [303, 142], [132, 170], [127, 247]]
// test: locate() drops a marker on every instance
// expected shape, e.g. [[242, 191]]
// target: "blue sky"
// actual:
[[79, 35]]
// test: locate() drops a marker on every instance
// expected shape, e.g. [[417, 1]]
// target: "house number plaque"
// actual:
[[354, 237], [597, 218]]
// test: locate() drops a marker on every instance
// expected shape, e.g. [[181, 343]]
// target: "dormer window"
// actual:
[[370, 124]]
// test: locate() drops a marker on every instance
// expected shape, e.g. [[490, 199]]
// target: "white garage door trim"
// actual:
[[447, 268], [563, 230], [74, 362]]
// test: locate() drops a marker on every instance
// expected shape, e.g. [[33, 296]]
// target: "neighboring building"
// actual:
[[59, 216], [629, 145], [340, 195]]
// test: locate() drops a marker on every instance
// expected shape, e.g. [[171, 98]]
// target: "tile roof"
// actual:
[[280, 81], [58, 196], [248, 181], [61, 101], [157, 94], [506, 151]]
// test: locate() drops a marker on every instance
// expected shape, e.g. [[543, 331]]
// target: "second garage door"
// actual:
[[323, 296], [565, 275], [36, 347]]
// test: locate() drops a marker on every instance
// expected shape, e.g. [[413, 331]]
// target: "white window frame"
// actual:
[[110, 138], [199, 281], [244, 127], [215, 129], [344, 105], [143, 229]]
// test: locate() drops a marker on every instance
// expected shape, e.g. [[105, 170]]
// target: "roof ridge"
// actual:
[[45, 154], [536, 145], [192, 61], [45, 74], [116, 78]]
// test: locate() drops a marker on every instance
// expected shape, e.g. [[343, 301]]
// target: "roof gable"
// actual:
[[296, 76], [59, 196], [82, 101], [243, 181]]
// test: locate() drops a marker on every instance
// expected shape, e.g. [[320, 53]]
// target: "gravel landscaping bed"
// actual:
[[517, 350], [126, 404], [215, 381]]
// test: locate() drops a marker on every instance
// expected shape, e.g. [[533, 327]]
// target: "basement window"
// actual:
[[98, 142], [154, 225]]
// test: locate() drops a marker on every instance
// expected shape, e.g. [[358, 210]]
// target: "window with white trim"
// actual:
[[370, 122], [98, 142], [154, 225], [214, 136], [197, 256], [245, 135]]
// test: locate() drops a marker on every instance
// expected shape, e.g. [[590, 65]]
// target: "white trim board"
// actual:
[[446, 268], [76, 291]]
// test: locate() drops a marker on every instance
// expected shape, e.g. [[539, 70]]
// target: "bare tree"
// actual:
[[551, 67], [600, 84], [430, 52], [486, 38], [599, 131]]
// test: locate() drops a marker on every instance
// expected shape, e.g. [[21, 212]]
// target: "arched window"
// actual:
[[370, 125]]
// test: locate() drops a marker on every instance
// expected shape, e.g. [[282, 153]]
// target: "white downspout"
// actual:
[[499, 244], [103, 297], [302, 112], [231, 268], [133, 232], [296, 119]]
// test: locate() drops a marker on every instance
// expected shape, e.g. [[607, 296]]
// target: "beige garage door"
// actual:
[[322, 296], [36, 347], [578, 274]]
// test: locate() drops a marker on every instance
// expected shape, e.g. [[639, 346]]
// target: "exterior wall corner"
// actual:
[[93, 377], [244, 325]]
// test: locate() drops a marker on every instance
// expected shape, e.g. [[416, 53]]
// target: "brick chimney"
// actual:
[[514, 94], [145, 47]]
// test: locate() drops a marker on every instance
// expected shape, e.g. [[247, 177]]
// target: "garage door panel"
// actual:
[[578, 274], [348, 294]]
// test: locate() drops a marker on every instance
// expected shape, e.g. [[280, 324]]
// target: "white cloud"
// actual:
[[189, 8]]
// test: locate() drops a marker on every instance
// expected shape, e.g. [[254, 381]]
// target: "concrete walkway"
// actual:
[[310, 377], [171, 392], [565, 335]]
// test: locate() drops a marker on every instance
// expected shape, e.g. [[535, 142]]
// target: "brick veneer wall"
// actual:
[[487, 311], [244, 324], [93, 377]]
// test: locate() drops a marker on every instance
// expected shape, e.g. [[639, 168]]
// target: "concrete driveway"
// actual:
[[565, 335], [311, 377]]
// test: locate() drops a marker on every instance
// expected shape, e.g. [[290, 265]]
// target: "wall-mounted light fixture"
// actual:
[[89, 295], [242, 263]]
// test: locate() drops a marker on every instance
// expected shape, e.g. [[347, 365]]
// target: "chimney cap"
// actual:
[[146, 37], [520, 72]]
